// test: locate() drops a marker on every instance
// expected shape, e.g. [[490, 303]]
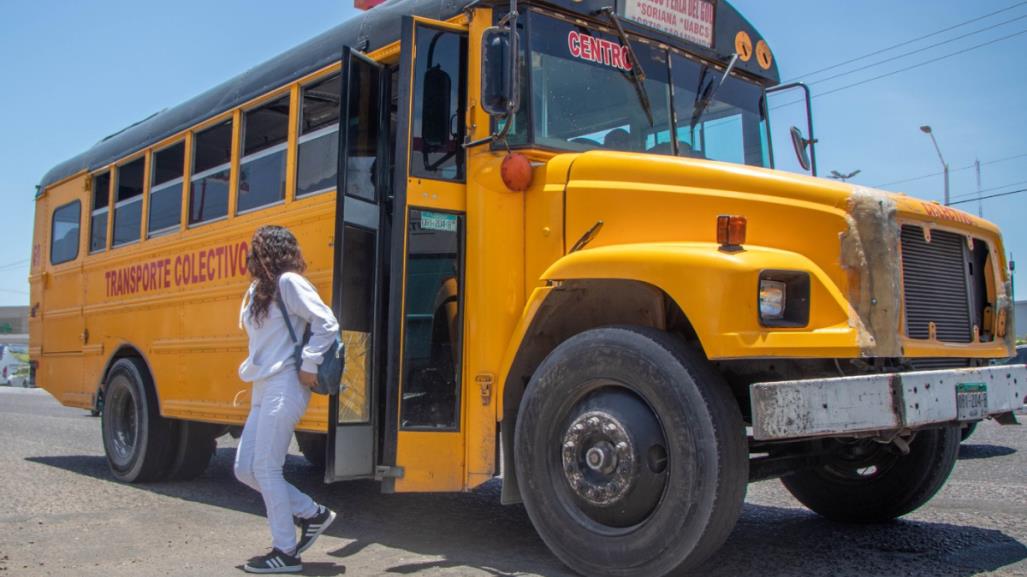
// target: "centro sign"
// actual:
[[688, 19], [598, 50]]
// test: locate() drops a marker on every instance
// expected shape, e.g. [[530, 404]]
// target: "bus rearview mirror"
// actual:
[[498, 70], [801, 145], [435, 121]]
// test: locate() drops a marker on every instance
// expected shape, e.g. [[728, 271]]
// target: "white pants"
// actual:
[[277, 405]]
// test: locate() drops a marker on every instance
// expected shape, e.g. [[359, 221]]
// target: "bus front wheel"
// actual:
[[136, 439], [630, 453]]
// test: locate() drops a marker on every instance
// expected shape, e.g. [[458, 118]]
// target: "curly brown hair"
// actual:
[[273, 251]]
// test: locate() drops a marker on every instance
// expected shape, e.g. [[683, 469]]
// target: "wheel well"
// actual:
[[124, 351], [572, 308]]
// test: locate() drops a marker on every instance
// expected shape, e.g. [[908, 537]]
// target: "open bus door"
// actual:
[[354, 415], [400, 227]]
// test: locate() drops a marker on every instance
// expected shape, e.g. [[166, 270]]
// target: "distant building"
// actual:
[[14, 325], [1020, 319]]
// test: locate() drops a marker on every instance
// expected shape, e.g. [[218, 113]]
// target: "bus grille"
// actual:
[[934, 277]]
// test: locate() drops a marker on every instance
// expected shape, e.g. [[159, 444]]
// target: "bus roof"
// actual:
[[366, 31]]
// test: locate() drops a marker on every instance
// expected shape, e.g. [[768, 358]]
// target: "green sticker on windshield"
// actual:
[[438, 221]]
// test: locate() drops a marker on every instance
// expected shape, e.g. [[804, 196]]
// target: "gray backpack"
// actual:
[[329, 372]]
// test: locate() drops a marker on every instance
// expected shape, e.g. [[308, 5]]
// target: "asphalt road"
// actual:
[[61, 513]]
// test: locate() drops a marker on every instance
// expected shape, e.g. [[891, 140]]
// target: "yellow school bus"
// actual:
[[560, 251]]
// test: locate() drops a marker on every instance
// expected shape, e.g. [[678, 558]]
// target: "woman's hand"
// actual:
[[308, 380]]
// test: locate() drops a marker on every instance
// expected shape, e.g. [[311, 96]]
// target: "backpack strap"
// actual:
[[285, 316]]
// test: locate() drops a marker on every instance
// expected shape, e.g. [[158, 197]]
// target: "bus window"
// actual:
[[431, 347], [98, 218], [731, 128], [441, 58], [212, 163], [584, 94], [262, 167], [128, 202], [362, 131], [319, 136], [166, 189], [358, 282], [64, 233]]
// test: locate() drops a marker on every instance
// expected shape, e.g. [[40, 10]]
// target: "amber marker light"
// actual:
[[731, 232], [516, 172]]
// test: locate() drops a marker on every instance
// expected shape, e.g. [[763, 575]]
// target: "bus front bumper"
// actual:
[[868, 404]]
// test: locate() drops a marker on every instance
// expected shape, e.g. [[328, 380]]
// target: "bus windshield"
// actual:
[[580, 95]]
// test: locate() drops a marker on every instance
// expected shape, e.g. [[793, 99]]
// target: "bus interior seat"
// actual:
[[618, 139]]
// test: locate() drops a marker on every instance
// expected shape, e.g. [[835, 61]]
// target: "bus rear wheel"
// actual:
[[630, 453], [136, 439], [313, 447], [195, 443], [866, 482]]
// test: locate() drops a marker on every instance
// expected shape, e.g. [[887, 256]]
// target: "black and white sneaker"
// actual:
[[274, 562], [311, 529]]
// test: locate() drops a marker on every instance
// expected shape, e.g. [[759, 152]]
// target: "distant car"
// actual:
[[14, 366], [1020, 358]]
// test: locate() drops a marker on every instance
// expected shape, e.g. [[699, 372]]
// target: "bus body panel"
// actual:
[[58, 299]]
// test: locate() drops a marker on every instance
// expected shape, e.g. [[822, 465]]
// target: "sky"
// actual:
[[74, 72]]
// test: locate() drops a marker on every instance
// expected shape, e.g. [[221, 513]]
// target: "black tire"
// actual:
[[136, 438], [313, 447], [873, 484], [195, 443], [685, 450], [966, 431]]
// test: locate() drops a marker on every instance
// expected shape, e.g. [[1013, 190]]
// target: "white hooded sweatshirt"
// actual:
[[271, 347]]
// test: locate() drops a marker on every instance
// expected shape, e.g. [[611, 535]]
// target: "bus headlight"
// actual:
[[784, 298], [772, 299]]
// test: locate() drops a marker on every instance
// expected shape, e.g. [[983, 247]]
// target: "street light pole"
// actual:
[[927, 130]]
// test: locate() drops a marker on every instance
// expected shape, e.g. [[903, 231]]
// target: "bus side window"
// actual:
[[439, 77], [166, 189], [212, 163], [128, 202], [431, 345], [262, 167], [318, 154], [64, 232], [98, 217]]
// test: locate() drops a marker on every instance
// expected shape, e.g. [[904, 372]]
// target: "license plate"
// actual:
[[971, 401]]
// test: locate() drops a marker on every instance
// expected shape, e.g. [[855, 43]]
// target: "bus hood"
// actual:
[[852, 233]]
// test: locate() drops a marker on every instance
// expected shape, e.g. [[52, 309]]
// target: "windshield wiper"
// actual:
[[706, 94], [637, 72]]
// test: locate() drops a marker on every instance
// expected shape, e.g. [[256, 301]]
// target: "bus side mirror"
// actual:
[[499, 93], [435, 121], [801, 144]]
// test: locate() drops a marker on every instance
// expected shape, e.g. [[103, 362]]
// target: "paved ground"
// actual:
[[62, 514]]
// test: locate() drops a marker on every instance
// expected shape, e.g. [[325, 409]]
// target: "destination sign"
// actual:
[[691, 20]]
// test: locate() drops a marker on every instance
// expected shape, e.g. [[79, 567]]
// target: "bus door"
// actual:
[[424, 422], [58, 287], [354, 415]]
